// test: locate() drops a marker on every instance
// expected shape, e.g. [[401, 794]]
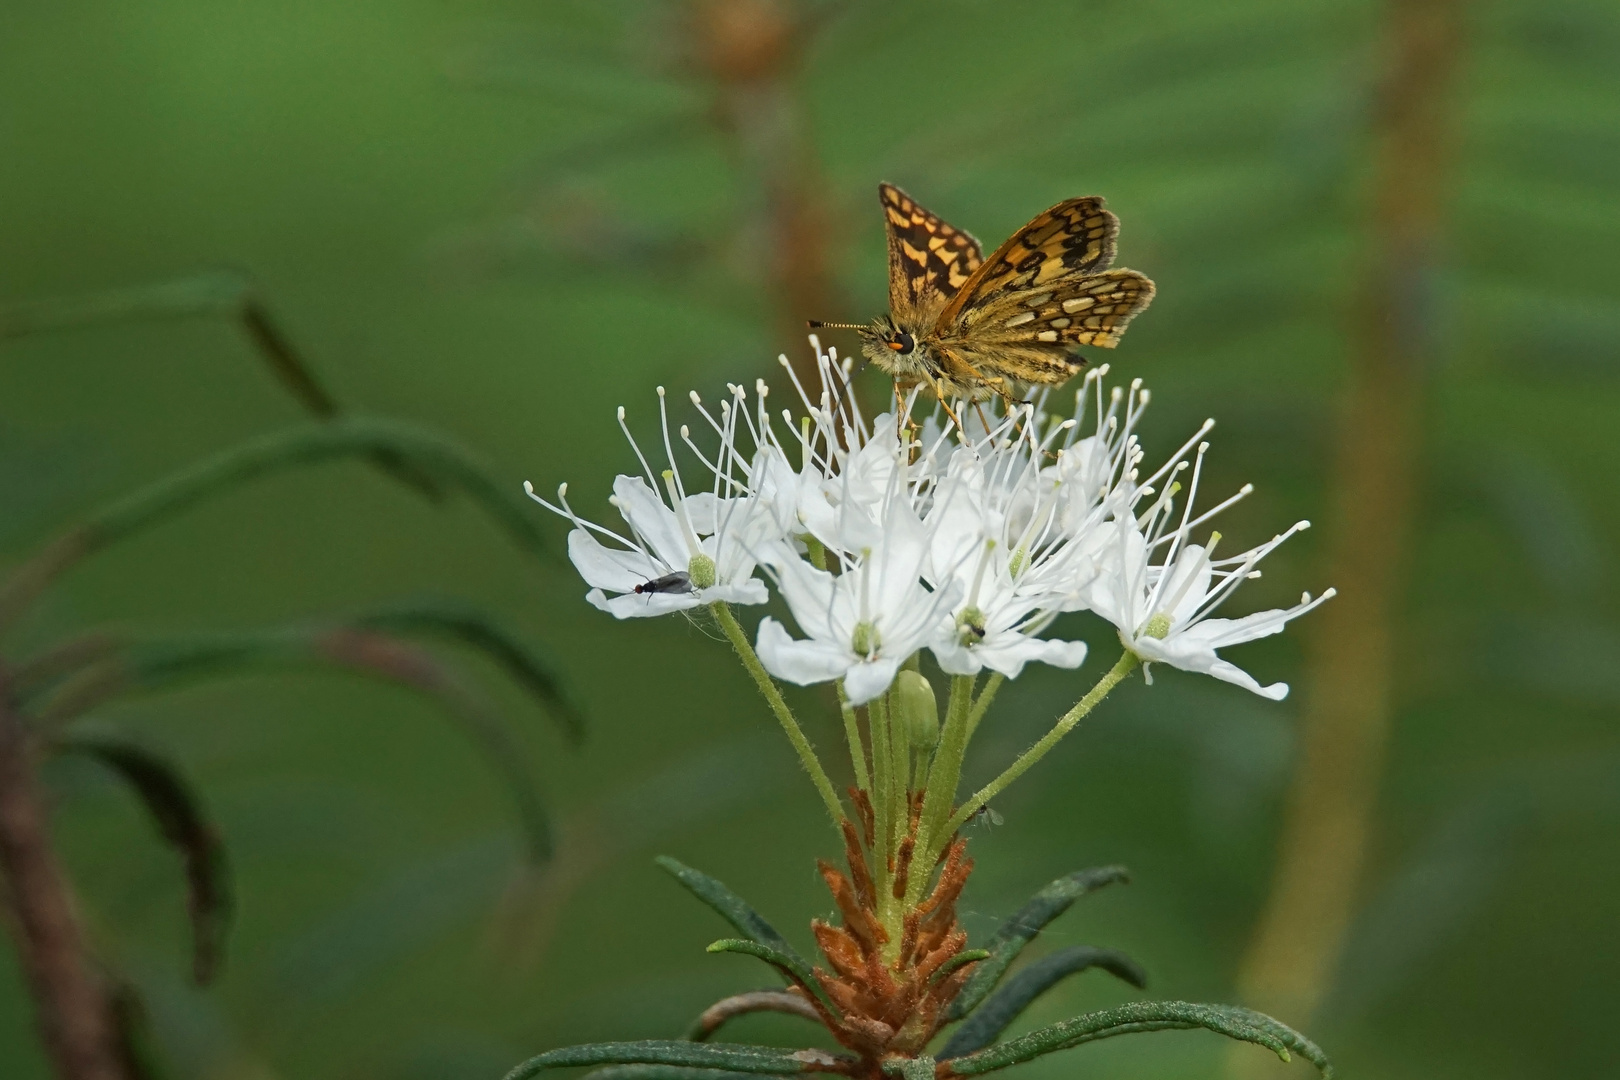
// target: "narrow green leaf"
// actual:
[[178, 813], [725, 1010], [476, 628], [917, 1068], [791, 965], [989, 1020], [663, 1072], [731, 907], [426, 453], [224, 293], [1017, 931], [966, 956], [730, 1057], [164, 664], [1228, 1020]]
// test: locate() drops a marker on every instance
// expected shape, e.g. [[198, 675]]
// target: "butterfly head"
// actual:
[[891, 346]]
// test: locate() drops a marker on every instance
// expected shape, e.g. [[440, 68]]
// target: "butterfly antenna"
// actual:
[[814, 323]]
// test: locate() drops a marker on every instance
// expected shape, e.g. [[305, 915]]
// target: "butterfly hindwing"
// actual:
[[1080, 308], [929, 259]]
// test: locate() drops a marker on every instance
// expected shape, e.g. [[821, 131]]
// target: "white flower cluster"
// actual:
[[884, 539]]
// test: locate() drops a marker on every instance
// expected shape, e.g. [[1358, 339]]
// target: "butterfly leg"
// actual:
[[939, 392], [982, 418], [902, 415]]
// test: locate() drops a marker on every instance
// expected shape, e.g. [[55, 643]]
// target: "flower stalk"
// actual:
[[1126, 663], [773, 697]]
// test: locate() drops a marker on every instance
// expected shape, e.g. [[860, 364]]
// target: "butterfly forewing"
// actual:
[[1045, 291], [929, 259], [1076, 235]]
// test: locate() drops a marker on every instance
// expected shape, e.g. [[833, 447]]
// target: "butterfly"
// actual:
[[972, 327]]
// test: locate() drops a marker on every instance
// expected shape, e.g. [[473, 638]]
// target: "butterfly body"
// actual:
[[972, 327]]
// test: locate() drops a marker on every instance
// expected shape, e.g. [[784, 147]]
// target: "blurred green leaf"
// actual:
[[434, 454], [481, 631], [160, 665], [178, 813]]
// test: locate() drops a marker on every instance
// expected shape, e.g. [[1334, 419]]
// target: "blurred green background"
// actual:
[[505, 219]]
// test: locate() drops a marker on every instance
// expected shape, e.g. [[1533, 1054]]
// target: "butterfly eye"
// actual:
[[902, 342]]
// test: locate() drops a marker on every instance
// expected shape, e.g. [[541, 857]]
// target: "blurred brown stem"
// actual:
[[753, 50], [72, 1008], [1351, 653]]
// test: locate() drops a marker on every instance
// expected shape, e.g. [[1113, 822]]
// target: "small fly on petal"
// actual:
[[678, 582]]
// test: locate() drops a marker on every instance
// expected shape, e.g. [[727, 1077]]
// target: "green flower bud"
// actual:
[[919, 711], [702, 572], [970, 626]]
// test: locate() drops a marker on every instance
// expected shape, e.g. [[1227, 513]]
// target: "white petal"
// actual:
[[1180, 652], [615, 569], [801, 662], [955, 658], [1010, 659], [1188, 584], [747, 591], [813, 596], [867, 679], [641, 606], [648, 515], [1215, 633]]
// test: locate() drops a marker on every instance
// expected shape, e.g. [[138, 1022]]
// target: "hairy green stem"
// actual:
[[900, 768], [981, 704], [941, 791], [877, 722], [773, 696], [1122, 667], [852, 735]]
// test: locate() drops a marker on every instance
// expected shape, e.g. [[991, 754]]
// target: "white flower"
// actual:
[[1162, 609], [862, 623], [694, 549], [885, 539], [1018, 523]]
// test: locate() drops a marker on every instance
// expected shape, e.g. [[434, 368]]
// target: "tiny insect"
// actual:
[[984, 815], [678, 582], [971, 327]]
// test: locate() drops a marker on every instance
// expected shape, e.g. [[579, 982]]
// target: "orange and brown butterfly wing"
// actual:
[[1077, 234], [1044, 292], [929, 259], [1026, 335]]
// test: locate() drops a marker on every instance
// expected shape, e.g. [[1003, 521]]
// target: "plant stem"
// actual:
[[1122, 667], [981, 704], [941, 791], [71, 1006], [773, 697], [877, 722], [899, 768], [852, 735]]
